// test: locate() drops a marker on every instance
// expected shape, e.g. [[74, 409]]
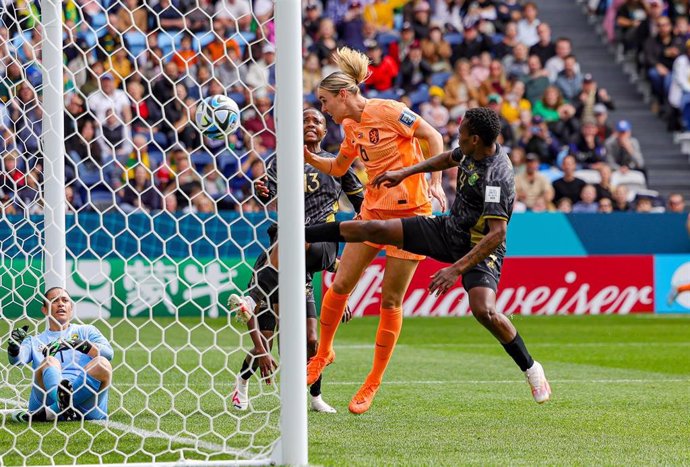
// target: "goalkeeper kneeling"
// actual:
[[71, 363]]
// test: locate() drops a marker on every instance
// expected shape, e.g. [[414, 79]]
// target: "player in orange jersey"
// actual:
[[385, 135]]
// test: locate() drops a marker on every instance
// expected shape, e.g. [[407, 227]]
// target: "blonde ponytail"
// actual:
[[354, 69]]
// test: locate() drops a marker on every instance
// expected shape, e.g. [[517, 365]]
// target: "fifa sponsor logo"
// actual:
[[571, 296]]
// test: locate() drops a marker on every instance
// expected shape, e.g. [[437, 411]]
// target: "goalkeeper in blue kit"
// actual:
[[71, 363]]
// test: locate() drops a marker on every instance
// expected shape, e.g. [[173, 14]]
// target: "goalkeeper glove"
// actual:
[[17, 336], [79, 345], [53, 348]]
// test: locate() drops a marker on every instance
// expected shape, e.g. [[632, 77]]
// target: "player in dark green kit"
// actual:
[[260, 307], [471, 238]]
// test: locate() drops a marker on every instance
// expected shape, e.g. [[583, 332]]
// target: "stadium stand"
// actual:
[[135, 71]]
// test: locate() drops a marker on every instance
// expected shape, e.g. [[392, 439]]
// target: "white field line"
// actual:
[[189, 348], [12, 402], [217, 448], [161, 435], [454, 382]]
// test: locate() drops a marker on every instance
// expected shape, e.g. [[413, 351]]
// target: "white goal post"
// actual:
[[153, 281]]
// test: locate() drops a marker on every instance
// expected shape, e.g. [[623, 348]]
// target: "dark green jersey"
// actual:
[[321, 191], [485, 190]]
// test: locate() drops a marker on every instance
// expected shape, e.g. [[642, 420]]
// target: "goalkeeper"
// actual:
[[260, 308], [71, 363]]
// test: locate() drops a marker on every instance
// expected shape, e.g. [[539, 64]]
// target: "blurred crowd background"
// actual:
[[135, 70]]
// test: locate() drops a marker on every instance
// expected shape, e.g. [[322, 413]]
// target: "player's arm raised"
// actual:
[[336, 167], [434, 141], [445, 278]]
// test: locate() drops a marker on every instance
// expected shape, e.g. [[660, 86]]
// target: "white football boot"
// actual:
[[541, 391], [317, 404], [240, 395], [241, 307]]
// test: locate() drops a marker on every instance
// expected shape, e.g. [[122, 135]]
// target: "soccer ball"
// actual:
[[217, 116]]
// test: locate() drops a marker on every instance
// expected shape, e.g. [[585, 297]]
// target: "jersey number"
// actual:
[[311, 183], [363, 154]]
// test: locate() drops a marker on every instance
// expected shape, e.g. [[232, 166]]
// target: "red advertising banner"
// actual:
[[529, 286]]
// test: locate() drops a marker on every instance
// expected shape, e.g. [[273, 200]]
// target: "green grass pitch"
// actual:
[[451, 396]]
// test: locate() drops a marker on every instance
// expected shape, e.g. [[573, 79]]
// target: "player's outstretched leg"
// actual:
[[483, 305]]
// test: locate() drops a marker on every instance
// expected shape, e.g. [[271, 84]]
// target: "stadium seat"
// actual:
[[89, 36], [633, 179], [420, 95], [169, 42], [589, 176], [440, 79], [551, 173], [135, 42], [244, 39], [202, 39], [155, 158], [201, 159], [386, 38], [453, 38], [238, 97], [17, 43], [98, 22], [227, 163]]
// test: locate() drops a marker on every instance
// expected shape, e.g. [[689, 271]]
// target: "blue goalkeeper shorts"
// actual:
[[94, 407]]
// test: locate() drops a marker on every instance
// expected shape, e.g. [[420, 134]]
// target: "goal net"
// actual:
[[161, 223]]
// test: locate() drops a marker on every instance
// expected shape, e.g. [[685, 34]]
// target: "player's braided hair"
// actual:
[[354, 69], [484, 123]]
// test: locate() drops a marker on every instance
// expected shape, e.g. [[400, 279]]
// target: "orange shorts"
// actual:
[[379, 215]]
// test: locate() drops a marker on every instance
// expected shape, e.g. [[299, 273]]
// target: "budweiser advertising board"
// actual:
[[529, 286]]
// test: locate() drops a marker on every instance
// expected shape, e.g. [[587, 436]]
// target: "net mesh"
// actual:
[[162, 223]]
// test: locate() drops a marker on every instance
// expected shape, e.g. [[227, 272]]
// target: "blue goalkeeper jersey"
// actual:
[[71, 360]]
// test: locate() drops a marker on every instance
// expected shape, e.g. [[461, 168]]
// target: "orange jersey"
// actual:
[[384, 140]]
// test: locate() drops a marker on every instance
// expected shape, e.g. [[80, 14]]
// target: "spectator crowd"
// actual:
[[135, 70]]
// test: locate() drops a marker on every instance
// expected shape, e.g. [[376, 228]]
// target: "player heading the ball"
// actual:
[[385, 135], [71, 363]]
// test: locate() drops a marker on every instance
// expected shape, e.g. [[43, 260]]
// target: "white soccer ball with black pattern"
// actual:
[[217, 116]]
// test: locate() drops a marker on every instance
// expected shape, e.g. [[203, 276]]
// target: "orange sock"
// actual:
[[684, 288], [332, 309], [387, 335]]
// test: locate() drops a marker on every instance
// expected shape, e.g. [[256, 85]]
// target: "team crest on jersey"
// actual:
[[407, 118], [473, 179], [374, 136]]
